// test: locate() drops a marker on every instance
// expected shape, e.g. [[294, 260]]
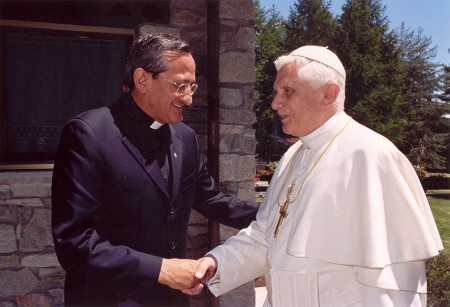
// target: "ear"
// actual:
[[331, 94], [140, 78]]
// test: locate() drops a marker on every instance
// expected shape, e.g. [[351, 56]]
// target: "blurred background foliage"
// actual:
[[393, 85]]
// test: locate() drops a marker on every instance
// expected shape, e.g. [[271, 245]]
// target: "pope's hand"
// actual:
[[206, 268]]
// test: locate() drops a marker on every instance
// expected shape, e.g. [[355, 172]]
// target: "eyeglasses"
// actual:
[[184, 88]]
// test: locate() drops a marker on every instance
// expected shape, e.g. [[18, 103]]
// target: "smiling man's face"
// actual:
[[296, 102], [162, 101]]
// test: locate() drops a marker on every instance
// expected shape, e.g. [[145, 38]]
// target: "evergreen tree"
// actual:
[[270, 35], [444, 98], [368, 50], [444, 94], [392, 84], [422, 80], [310, 23], [426, 127]]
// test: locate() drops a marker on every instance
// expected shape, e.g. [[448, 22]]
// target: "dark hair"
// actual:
[[149, 52]]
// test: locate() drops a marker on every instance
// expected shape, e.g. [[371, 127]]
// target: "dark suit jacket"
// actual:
[[114, 218]]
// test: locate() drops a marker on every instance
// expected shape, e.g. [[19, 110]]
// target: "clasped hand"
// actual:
[[187, 275]]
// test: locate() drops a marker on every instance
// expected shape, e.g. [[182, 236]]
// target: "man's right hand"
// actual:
[[178, 273]]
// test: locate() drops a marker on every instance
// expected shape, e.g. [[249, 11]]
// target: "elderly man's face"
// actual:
[[296, 102], [162, 101]]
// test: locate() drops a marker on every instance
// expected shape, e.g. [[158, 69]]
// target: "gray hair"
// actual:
[[316, 73], [150, 52]]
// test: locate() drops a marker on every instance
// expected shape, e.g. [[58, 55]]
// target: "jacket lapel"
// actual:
[[131, 120], [151, 168], [176, 154]]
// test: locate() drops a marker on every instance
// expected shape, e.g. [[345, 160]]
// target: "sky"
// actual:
[[432, 16]]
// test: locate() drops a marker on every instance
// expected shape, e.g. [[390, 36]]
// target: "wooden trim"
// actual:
[[213, 87], [17, 167], [66, 27], [213, 53]]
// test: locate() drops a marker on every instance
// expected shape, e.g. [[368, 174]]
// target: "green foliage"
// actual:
[[438, 268], [310, 23], [270, 35], [426, 130], [392, 85], [368, 51], [438, 278], [268, 171], [440, 205], [444, 95]]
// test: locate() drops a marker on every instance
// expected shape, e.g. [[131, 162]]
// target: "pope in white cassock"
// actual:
[[345, 221]]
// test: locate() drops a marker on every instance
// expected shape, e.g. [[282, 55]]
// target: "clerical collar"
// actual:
[[145, 118], [156, 125], [324, 133]]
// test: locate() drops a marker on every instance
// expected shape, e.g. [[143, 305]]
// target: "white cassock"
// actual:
[[358, 233]]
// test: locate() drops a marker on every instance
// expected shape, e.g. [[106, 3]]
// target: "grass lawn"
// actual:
[[438, 268], [440, 205]]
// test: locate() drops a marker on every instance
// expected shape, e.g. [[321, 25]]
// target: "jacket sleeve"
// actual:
[[214, 204], [77, 197]]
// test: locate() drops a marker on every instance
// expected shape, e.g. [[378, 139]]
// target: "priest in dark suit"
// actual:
[[125, 180]]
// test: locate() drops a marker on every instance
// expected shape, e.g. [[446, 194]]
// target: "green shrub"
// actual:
[[438, 275]]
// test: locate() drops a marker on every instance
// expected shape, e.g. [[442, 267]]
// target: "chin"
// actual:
[[287, 131], [176, 120]]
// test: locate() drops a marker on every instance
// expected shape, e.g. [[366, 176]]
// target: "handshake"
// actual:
[[187, 275]]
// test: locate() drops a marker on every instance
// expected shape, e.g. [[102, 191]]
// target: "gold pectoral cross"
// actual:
[[284, 209], [283, 214]]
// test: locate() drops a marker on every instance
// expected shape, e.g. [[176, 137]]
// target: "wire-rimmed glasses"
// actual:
[[184, 88]]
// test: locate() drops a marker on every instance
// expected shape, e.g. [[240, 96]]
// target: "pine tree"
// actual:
[[368, 50], [444, 98], [310, 22], [422, 80], [427, 130], [444, 95], [270, 35]]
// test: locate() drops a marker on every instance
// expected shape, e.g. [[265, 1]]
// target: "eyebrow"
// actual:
[[182, 81]]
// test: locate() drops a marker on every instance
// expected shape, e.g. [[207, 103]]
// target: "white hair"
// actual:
[[316, 73]]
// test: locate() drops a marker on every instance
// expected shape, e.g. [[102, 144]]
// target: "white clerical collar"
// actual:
[[324, 133], [156, 125]]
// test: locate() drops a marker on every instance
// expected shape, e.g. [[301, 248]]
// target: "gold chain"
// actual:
[[284, 208]]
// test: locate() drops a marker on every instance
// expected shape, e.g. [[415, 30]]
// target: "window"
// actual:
[[50, 73]]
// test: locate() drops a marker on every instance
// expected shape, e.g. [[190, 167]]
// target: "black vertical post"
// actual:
[[213, 105]]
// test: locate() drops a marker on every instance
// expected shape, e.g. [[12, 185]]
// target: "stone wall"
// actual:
[[237, 138], [30, 274]]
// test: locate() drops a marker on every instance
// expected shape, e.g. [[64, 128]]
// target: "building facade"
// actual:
[[222, 35]]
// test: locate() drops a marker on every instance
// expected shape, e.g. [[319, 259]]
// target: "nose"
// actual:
[[276, 103], [187, 99]]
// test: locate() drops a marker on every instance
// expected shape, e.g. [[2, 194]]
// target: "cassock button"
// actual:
[[175, 154], [172, 210], [174, 245]]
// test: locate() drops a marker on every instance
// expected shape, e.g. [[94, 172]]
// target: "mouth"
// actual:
[[178, 106], [283, 117]]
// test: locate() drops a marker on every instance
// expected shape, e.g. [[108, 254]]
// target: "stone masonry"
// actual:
[[30, 274]]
